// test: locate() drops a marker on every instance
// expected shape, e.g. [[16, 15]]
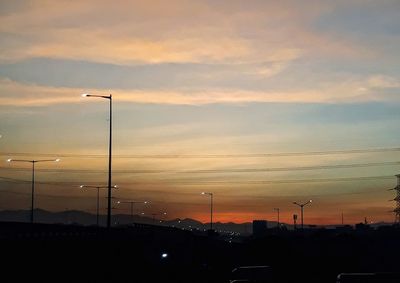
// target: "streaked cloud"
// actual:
[[16, 94], [173, 31], [380, 81]]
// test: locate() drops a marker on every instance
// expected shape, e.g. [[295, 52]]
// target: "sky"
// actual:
[[262, 103]]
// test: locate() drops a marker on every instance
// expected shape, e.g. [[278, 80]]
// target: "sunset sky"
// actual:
[[207, 96]]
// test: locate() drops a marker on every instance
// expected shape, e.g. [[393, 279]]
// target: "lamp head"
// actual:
[[57, 160], [9, 160]]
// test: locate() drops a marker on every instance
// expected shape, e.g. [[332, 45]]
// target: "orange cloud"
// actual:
[[173, 31], [16, 94]]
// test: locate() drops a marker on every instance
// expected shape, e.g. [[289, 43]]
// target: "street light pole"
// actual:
[[33, 190], [277, 209], [131, 202], [109, 97], [109, 167], [211, 207], [155, 214], [98, 198], [33, 179], [302, 211]]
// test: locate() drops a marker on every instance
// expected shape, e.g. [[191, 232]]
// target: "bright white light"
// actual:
[[84, 94], [118, 202], [57, 160], [203, 193], [145, 202], [9, 160], [310, 200], [81, 186], [164, 255]]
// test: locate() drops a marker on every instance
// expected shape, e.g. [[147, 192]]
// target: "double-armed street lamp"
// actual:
[[302, 205], [211, 207], [109, 97], [155, 214], [33, 178], [98, 197], [131, 202]]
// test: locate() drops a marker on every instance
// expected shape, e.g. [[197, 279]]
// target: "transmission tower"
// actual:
[[397, 200]]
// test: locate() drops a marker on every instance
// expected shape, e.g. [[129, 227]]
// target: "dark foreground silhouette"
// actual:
[[61, 253]]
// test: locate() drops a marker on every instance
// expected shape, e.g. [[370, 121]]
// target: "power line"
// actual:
[[237, 170], [172, 202], [294, 181], [231, 182], [42, 195], [192, 156]]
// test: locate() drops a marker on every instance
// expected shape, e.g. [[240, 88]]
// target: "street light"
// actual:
[[33, 176], [302, 209], [211, 207], [278, 210], [109, 97], [98, 199], [155, 214], [131, 202]]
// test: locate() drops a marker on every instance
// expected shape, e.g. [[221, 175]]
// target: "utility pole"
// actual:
[[397, 200]]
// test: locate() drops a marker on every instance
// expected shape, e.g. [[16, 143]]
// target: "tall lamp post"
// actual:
[[278, 210], [98, 197], [211, 207], [33, 177], [155, 214], [302, 205], [109, 97], [131, 202]]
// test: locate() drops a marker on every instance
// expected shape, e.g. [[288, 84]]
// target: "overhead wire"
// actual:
[[173, 156], [200, 171]]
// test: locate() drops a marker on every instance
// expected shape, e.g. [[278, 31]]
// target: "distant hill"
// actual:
[[85, 218]]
